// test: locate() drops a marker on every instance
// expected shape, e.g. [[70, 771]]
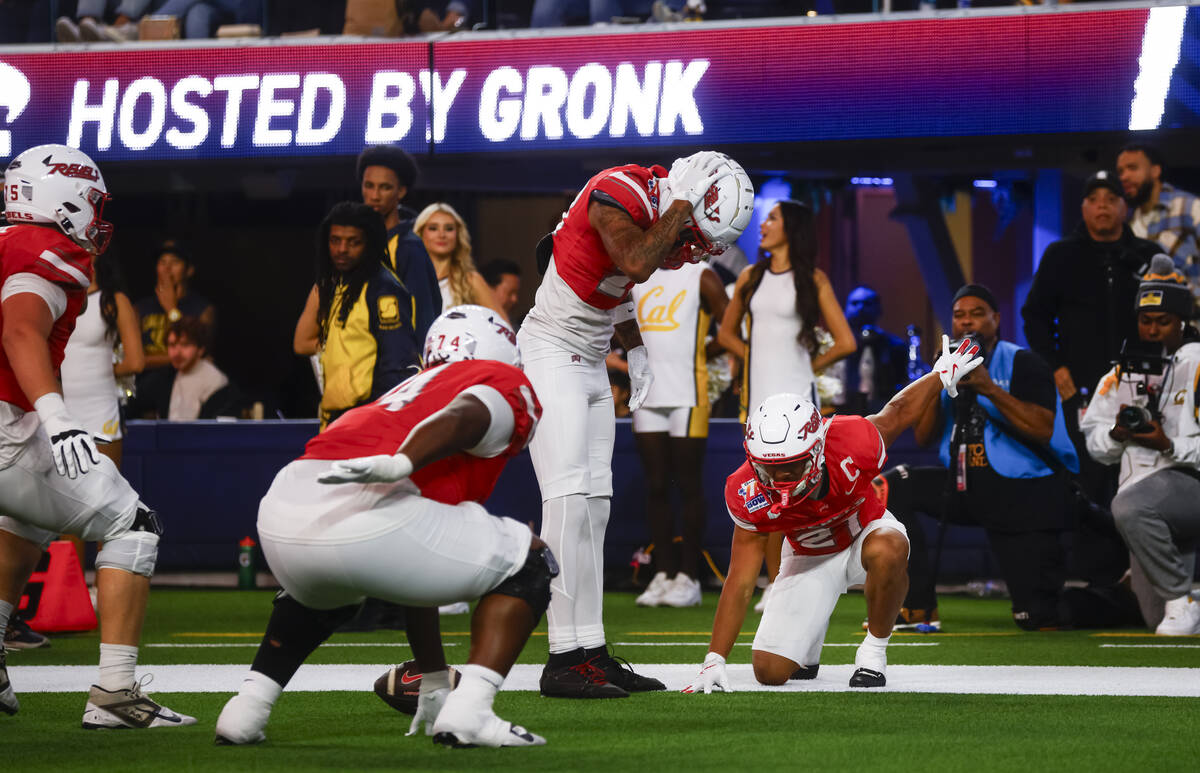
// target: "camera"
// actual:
[[1136, 418], [1144, 357]]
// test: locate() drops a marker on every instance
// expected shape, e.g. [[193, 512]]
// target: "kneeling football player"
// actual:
[[385, 504], [810, 478]]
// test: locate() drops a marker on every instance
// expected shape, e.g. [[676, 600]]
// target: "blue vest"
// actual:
[[1009, 457]]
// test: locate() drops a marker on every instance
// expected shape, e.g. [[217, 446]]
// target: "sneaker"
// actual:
[[128, 708], [91, 30], [684, 592], [762, 603], [805, 672], [457, 608], [464, 731], [1181, 618], [652, 596], [242, 721], [866, 677], [618, 672], [66, 31], [582, 680], [19, 636], [8, 699], [919, 620]]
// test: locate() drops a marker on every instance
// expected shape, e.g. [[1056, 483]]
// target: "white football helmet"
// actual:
[[59, 185], [471, 333], [724, 212], [786, 434]]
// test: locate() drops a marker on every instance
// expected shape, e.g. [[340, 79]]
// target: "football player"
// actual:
[[385, 503], [52, 480], [810, 478], [627, 222]]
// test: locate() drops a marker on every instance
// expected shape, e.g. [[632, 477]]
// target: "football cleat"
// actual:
[[19, 636], [128, 708], [493, 732], [617, 671], [582, 680], [8, 699], [805, 672], [242, 721], [865, 677], [400, 686], [683, 592]]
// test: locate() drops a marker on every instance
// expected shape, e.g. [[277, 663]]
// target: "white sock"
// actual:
[[260, 686], [478, 686], [6, 611], [872, 653], [117, 664]]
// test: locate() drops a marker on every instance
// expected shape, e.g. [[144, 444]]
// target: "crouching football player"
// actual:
[[385, 503], [810, 478]]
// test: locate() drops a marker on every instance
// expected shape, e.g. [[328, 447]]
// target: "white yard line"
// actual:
[[747, 644], [323, 646], [998, 680], [1150, 646]]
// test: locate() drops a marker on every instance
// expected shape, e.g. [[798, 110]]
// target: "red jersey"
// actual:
[[579, 254], [381, 427], [854, 455], [51, 255]]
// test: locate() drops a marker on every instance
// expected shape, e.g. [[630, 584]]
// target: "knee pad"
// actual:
[[532, 583], [134, 551]]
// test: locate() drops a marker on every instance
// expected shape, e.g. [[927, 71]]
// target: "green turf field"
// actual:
[[663, 731]]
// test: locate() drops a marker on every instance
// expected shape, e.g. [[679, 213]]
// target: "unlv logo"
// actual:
[[79, 171], [813, 425], [506, 332], [711, 210]]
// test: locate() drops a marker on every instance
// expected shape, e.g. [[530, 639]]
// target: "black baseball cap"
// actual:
[[1103, 179]]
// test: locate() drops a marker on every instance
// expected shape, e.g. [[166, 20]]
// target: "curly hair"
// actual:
[[461, 263]]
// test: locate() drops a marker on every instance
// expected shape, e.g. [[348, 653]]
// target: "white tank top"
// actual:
[[447, 296], [777, 361], [89, 386], [674, 326]]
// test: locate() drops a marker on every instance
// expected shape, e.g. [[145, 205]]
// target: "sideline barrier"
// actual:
[[205, 479]]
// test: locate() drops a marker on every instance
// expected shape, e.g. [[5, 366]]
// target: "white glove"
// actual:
[[953, 365], [434, 689], [640, 377], [383, 468], [691, 177], [712, 674], [72, 447]]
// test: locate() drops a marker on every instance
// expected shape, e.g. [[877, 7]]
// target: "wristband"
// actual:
[[623, 312]]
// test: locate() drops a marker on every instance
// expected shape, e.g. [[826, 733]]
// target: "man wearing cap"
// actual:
[[1005, 451], [1076, 316], [1158, 449]]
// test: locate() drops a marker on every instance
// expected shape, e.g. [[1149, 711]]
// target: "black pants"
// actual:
[[1098, 554], [1031, 561]]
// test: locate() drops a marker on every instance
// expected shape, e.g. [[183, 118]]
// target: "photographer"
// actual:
[[1006, 454], [1144, 415]]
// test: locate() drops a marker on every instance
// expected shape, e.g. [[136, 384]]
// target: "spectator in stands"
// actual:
[[172, 301], [558, 13], [201, 18], [1161, 212], [504, 278], [358, 316], [90, 15], [877, 369], [386, 174], [1004, 450], [674, 311], [1077, 314], [197, 380], [448, 242], [1158, 451]]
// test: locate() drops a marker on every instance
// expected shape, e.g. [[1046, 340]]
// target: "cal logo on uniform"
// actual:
[[756, 503], [1150, 298], [389, 309]]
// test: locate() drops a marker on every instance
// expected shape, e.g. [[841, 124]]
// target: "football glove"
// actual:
[[691, 177], [952, 366], [382, 468], [712, 674], [72, 447], [434, 689], [640, 377]]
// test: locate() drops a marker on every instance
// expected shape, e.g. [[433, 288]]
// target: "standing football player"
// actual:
[[52, 479], [627, 222], [385, 503], [810, 478]]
